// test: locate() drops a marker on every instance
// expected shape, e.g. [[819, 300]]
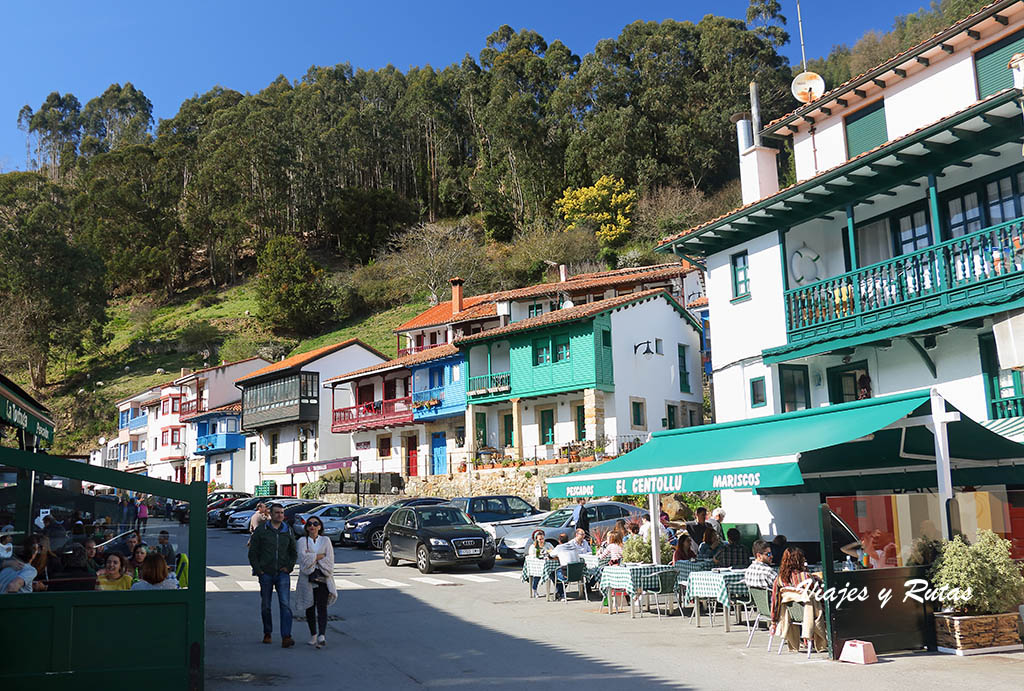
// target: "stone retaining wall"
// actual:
[[524, 481]]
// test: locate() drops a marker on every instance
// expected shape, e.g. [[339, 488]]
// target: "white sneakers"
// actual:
[[312, 640], [321, 642]]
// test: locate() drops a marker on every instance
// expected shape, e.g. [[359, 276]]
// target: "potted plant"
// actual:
[[981, 588], [638, 551], [462, 467]]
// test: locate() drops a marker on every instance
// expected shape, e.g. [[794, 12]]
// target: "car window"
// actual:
[[518, 506], [442, 515], [557, 519], [479, 506], [609, 512], [410, 519], [591, 512]]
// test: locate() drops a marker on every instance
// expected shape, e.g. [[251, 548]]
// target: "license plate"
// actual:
[[348, 534], [468, 552]]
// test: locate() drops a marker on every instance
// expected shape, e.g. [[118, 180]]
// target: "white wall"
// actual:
[[827, 146], [333, 446], [741, 330], [792, 515]]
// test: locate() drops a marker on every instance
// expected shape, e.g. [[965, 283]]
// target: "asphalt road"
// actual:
[[393, 628]]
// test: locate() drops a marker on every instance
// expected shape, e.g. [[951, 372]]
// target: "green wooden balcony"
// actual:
[[1001, 408], [494, 383], [980, 268]]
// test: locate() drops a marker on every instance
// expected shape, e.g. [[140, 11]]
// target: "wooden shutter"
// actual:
[[865, 129], [990, 64]]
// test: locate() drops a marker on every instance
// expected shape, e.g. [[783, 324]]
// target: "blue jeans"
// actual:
[[283, 583]]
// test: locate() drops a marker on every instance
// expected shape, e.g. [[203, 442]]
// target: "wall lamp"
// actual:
[[648, 353]]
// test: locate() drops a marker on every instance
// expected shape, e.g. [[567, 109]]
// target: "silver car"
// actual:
[[332, 516], [602, 514], [239, 520]]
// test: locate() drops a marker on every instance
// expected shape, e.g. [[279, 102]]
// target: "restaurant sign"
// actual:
[[15, 415], [695, 480]]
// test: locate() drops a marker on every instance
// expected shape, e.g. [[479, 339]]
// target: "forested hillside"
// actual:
[[337, 203]]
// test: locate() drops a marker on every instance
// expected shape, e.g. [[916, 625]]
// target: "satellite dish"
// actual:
[[102, 440], [807, 86]]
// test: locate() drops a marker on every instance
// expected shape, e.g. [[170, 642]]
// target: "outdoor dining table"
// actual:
[[541, 568], [722, 585], [594, 565], [634, 579]]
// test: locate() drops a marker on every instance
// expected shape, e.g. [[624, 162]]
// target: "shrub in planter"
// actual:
[[639, 550], [982, 587]]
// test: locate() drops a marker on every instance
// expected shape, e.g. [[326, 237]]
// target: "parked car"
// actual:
[[239, 520], [355, 514], [601, 514], [491, 508], [219, 494], [438, 535], [332, 516], [292, 510], [368, 530], [219, 517]]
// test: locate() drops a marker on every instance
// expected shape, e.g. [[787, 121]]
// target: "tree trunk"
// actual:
[[37, 370]]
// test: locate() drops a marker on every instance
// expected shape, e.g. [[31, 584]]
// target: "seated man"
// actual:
[[733, 553], [581, 543], [566, 554], [165, 548], [760, 573]]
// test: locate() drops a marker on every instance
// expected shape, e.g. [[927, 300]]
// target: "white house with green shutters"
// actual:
[[894, 263]]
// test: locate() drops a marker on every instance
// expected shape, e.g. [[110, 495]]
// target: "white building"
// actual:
[[891, 262], [285, 420]]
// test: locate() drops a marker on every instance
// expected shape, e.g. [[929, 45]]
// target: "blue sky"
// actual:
[[175, 50]]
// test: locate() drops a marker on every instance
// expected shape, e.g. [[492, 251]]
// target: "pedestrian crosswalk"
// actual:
[[221, 582]]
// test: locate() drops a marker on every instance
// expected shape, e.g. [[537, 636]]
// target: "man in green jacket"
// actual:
[[272, 555]]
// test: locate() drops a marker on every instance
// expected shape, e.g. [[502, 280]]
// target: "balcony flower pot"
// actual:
[[547, 461], [981, 614], [462, 467], [587, 459]]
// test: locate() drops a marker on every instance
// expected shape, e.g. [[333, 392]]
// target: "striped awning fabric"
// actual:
[[1011, 427]]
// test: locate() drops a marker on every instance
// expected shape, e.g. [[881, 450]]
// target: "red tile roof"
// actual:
[[482, 306], [305, 358], [235, 407], [784, 190], [894, 61], [702, 301], [566, 314], [428, 355]]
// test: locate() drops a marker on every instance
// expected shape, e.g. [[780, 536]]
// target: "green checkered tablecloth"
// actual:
[[633, 578], [594, 565], [685, 568], [716, 585], [541, 568]]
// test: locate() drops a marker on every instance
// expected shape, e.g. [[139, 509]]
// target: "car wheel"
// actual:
[[377, 539], [389, 558], [486, 564], [423, 560]]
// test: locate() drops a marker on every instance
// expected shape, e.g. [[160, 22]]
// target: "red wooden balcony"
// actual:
[[193, 407], [417, 349], [372, 415]]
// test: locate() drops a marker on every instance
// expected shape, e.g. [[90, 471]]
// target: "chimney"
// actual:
[[185, 371], [759, 172], [456, 295], [563, 273]]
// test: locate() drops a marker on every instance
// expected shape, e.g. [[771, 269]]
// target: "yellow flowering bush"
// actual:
[[606, 206]]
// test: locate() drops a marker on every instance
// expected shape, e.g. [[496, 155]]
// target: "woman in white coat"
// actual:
[[314, 588]]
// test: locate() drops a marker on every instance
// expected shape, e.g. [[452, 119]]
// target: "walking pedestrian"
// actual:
[[133, 514], [315, 590], [272, 555], [143, 517]]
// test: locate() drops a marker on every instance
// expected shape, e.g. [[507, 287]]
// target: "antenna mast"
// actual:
[[800, 25]]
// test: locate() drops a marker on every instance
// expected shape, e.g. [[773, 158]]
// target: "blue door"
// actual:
[[439, 452]]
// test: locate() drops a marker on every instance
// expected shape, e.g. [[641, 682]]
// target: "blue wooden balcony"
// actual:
[[137, 456], [138, 422], [219, 443], [985, 267]]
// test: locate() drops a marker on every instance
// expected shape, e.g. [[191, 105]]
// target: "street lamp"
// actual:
[[648, 353]]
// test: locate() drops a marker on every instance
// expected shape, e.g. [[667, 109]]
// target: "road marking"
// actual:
[[506, 574], [470, 577], [248, 585], [433, 581], [347, 585], [211, 587], [387, 582]]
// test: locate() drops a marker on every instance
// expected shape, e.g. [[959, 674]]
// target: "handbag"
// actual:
[[317, 576]]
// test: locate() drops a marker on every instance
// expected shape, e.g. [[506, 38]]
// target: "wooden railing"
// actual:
[[417, 349], [1007, 407], [193, 407], [489, 383], [369, 415], [422, 399], [948, 267]]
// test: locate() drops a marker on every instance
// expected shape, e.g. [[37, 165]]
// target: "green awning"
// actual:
[[758, 453], [20, 410]]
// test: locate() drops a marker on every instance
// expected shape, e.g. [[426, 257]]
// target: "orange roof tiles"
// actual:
[[864, 77], [235, 407], [702, 301], [305, 358], [428, 355], [441, 313], [565, 314]]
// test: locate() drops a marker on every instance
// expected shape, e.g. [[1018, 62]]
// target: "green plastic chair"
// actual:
[[668, 582], [760, 596], [576, 573]]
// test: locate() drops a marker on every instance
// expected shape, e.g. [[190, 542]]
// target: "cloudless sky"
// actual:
[[175, 50]]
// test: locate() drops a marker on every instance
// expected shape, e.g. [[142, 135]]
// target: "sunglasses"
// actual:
[[315, 523]]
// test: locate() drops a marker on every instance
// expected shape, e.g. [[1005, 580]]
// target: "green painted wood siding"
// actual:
[[865, 129], [603, 353], [990, 64], [580, 371]]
